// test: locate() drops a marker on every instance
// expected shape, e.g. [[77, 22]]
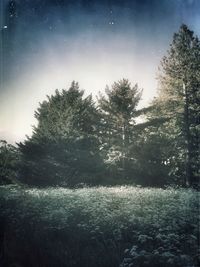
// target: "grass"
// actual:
[[99, 227]]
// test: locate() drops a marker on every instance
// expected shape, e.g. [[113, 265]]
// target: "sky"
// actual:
[[46, 44]]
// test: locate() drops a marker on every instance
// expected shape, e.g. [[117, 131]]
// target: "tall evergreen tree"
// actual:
[[179, 99], [119, 127], [64, 147]]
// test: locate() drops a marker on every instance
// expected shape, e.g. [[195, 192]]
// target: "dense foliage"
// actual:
[[103, 227], [9, 163], [179, 99], [64, 148], [118, 108]]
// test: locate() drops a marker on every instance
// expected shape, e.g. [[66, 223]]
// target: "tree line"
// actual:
[[78, 140]]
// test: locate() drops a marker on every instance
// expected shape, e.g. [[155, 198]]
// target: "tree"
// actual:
[[119, 128], [64, 147], [179, 99], [9, 163]]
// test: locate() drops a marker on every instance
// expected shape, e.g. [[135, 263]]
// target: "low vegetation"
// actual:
[[102, 226]]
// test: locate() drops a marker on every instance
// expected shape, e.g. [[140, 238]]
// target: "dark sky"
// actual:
[[45, 44]]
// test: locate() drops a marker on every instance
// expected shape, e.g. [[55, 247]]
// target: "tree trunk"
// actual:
[[188, 141], [125, 147]]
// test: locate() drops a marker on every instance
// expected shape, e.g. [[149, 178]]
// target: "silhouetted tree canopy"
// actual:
[[64, 147]]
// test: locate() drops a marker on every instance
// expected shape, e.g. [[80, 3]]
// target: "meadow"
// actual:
[[99, 227]]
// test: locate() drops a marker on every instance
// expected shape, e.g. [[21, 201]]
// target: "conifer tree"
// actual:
[[179, 99], [64, 147], [119, 128]]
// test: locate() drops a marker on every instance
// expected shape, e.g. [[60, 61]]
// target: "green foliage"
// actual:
[[9, 163], [66, 115], [64, 148], [100, 227], [178, 99], [127, 146], [118, 109], [151, 153]]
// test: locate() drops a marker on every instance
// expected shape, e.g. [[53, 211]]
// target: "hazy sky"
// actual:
[[45, 44]]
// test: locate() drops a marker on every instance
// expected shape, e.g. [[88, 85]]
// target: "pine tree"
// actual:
[[119, 128], [179, 99], [64, 147]]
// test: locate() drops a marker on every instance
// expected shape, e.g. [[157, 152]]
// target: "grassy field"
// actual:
[[99, 227]]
